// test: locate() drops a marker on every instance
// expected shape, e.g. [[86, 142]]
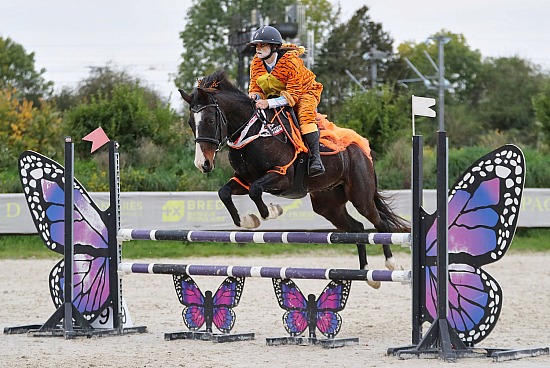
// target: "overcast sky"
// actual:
[[69, 36]]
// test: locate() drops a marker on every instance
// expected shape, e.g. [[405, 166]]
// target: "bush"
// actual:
[[394, 170], [378, 115], [126, 116], [25, 127]]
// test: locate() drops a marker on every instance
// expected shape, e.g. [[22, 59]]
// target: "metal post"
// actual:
[[115, 256], [441, 41], [442, 226], [418, 251], [69, 239]]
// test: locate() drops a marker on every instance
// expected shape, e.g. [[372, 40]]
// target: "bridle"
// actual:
[[220, 137]]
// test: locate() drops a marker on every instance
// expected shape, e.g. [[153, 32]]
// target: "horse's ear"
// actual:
[[185, 96], [202, 93]]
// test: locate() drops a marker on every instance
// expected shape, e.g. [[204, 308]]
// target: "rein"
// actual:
[[220, 138]]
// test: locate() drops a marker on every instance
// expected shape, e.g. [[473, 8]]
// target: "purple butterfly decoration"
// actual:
[[43, 184], [206, 308], [483, 210], [302, 313]]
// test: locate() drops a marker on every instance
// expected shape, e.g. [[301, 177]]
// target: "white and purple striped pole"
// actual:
[[267, 272], [402, 239]]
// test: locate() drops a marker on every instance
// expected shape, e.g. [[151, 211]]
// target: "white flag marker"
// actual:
[[421, 107]]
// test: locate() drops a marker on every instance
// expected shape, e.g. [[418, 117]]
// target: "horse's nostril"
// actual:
[[206, 166]]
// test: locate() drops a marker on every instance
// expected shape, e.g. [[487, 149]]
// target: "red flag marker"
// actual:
[[97, 137]]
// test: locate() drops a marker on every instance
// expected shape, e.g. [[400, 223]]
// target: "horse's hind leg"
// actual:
[[362, 176], [332, 206], [370, 212]]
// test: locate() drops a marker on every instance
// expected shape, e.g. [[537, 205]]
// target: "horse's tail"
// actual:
[[394, 222]]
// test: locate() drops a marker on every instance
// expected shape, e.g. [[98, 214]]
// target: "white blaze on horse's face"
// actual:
[[204, 160]]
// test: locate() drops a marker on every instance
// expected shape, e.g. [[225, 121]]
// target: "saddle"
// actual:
[[333, 140]]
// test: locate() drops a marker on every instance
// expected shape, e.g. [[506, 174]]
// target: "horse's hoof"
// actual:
[[250, 221], [374, 284], [392, 265], [275, 210]]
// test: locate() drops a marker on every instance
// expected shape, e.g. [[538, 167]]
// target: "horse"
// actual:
[[219, 111]]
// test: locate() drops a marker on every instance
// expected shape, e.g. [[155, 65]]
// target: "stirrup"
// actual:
[[315, 170]]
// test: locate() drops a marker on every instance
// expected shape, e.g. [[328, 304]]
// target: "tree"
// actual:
[[344, 50], [380, 115], [209, 24], [507, 87], [462, 66], [541, 105], [321, 17], [17, 70], [127, 114], [24, 126], [103, 80]]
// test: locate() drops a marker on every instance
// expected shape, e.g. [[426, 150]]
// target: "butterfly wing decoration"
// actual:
[[190, 295], [299, 313], [483, 210], [291, 299], [332, 300], [43, 184], [226, 297]]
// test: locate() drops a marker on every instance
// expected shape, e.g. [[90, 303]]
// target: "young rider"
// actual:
[[278, 77]]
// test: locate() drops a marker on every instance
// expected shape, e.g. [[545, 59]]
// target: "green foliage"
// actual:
[[462, 67], [125, 115], [394, 168], [204, 38], [378, 115], [24, 126], [508, 87], [541, 105], [531, 239], [487, 99], [17, 70], [344, 50], [537, 169], [209, 23], [321, 18]]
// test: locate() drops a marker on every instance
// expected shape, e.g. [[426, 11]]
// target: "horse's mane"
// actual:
[[216, 82]]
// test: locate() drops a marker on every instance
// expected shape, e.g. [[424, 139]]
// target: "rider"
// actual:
[[278, 77]]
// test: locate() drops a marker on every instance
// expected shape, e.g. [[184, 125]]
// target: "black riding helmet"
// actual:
[[267, 34]]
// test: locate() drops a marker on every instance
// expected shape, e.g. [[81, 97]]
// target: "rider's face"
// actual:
[[263, 50]]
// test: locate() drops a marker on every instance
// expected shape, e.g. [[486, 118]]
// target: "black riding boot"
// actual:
[[316, 167]]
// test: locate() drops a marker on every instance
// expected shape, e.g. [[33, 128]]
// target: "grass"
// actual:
[[31, 246]]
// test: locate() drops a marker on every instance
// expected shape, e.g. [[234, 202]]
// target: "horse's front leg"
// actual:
[[268, 183], [248, 221]]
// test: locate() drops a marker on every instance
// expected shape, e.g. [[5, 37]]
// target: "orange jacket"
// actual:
[[290, 71]]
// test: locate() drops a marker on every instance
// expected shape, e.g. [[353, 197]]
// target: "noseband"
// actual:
[[219, 138]]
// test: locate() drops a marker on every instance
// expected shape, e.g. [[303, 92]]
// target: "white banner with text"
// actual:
[[204, 211]]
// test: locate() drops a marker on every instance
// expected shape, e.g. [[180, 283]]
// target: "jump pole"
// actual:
[[403, 239], [267, 272]]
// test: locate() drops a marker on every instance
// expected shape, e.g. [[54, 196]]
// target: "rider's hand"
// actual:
[[253, 96], [262, 104]]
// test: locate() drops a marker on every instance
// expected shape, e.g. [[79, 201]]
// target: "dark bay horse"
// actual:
[[219, 112]]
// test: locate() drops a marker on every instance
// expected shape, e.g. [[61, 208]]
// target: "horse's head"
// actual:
[[208, 124]]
